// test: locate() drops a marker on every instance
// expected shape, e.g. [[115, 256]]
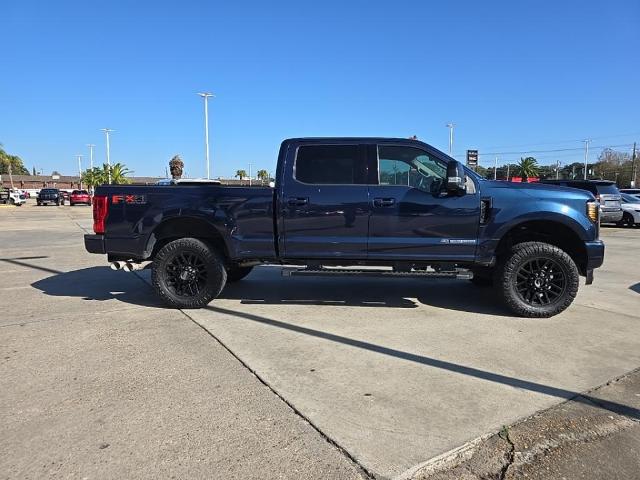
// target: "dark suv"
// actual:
[[606, 193], [50, 195]]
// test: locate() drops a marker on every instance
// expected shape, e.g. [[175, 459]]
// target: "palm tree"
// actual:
[[241, 174], [262, 175], [119, 173], [528, 168], [93, 177]]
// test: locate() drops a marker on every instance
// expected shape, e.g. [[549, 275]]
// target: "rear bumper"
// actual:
[[94, 244], [610, 216]]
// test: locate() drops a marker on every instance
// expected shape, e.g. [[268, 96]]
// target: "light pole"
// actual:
[[206, 96], [450, 126], [249, 173], [495, 169], [80, 169], [586, 156], [107, 131], [91, 145]]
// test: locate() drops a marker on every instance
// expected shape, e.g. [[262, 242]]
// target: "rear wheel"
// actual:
[[537, 279], [12, 201], [188, 273], [235, 273]]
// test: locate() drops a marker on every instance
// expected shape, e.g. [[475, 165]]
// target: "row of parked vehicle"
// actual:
[[56, 196], [621, 207]]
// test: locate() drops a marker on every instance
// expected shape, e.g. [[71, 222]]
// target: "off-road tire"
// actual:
[[216, 275], [38, 204], [12, 201], [506, 275], [235, 273]]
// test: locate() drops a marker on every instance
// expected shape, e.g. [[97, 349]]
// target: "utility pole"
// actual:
[[107, 131], [508, 168], [80, 169], [249, 173], [91, 145], [495, 169], [206, 96], [633, 166], [557, 169], [586, 156], [450, 126]]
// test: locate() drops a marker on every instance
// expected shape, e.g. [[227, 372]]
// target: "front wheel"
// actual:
[[188, 273], [537, 279]]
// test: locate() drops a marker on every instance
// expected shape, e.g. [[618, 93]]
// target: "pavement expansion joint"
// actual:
[[327, 438]]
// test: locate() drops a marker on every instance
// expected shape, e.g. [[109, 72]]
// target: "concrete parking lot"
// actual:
[[281, 377]]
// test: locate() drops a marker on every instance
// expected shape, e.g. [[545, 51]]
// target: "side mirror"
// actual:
[[456, 178]]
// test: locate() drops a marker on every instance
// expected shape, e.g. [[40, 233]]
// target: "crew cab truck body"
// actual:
[[397, 204]]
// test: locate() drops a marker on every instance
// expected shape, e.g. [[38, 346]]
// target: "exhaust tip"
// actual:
[[116, 265]]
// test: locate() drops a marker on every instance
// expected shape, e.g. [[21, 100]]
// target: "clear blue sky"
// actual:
[[536, 75]]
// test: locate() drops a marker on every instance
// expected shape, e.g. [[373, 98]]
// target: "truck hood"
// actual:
[[536, 190]]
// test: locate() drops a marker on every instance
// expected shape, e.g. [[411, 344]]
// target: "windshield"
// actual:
[[630, 198]]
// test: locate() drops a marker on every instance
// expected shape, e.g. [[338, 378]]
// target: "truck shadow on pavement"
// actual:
[[97, 283], [635, 288], [266, 286]]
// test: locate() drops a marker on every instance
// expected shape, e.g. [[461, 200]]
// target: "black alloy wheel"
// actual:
[[188, 273], [540, 281], [537, 279]]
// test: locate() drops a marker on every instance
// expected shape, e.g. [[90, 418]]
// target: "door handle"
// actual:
[[297, 201], [384, 202]]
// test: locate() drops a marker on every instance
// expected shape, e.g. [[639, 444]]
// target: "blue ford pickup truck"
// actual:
[[388, 207]]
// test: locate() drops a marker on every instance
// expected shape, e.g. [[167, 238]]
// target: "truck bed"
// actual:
[[242, 217]]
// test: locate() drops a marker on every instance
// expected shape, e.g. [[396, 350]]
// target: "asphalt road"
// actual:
[[276, 371]]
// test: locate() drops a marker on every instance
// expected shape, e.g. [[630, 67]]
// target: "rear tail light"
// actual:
[[100, 212]]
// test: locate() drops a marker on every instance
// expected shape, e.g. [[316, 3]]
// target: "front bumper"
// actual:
[[595, 258], [94, 244]]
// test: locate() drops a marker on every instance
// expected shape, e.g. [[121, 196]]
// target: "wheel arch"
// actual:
[[548, 231], [182, 227]]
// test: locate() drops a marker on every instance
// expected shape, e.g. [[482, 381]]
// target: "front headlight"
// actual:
[[592, 211]]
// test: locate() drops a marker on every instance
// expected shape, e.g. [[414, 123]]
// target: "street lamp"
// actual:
[[206, 96], [450, 126], [80, 169], [91, 145], [107, 131]]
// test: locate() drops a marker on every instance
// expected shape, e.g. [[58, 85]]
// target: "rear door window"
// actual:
[[330, 165]]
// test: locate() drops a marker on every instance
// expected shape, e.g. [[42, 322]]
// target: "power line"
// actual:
[[523, 152]]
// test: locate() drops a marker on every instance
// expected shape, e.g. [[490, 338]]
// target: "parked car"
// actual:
[[396, 204], [65, 195], [16, 198], [79, 196], [631, 208], [630, 191], [49, 195], [605, 192]]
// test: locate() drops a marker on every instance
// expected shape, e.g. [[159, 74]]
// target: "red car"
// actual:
[[79, 196]]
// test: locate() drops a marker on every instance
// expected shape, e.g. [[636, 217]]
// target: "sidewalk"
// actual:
[[593, 436]]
